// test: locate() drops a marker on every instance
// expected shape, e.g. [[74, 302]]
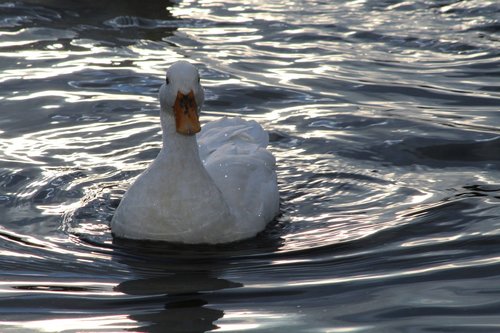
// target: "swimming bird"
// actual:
[[215, 184]]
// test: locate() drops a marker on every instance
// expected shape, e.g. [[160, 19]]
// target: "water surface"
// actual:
[[383, 116]]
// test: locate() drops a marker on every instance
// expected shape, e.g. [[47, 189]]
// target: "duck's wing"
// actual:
[[234, 153], [230, 130]]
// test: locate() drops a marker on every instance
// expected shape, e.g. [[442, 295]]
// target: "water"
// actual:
[[383, 116]]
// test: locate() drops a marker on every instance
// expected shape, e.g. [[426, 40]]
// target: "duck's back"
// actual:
[[234, 153]]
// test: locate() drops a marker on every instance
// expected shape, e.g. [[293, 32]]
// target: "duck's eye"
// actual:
[[167, 80]]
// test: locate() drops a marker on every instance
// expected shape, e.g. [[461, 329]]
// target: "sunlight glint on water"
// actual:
[[383, 117]]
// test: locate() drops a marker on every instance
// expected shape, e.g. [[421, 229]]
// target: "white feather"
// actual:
[[217, 187]]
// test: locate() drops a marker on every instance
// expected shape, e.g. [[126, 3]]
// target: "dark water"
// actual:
[[384, 118]]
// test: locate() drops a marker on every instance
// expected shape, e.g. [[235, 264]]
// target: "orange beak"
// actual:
[[186, 114]]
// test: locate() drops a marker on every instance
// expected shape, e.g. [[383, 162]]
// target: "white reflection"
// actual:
[[51, 244], [439, 267], [237, 321], [7, 253], [87, 288], [71, 143], [81, 96], [418, 199], [97, 323]]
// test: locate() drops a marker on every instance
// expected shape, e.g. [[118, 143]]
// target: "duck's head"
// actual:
[[181, 96]]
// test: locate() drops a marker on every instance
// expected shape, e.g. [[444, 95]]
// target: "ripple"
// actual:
[[383, 118]]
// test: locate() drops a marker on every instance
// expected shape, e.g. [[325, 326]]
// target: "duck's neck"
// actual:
[[178, 148]]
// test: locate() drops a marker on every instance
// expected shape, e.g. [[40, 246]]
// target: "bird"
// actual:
[[210, 185]]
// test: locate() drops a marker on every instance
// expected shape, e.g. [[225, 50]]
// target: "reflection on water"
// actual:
[[384, 120], [182, 293]]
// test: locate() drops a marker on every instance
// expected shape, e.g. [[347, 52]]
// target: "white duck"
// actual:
[[217, 187]]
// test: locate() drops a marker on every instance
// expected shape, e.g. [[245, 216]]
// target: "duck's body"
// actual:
[[217, 187]]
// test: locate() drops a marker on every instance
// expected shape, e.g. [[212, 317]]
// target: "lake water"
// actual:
[[384, 118]]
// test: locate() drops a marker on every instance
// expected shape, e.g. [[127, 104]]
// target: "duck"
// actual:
[[210, 185]]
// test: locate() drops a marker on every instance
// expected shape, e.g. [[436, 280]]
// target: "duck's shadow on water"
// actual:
[[174, 285], [175, 303]]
